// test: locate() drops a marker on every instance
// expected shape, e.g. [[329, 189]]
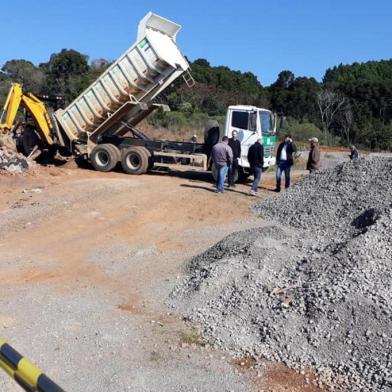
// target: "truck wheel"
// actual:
[[29, 140], [211, 133], [104, 157], [214, 172], [243, 175], [236, 176], [135, 160]]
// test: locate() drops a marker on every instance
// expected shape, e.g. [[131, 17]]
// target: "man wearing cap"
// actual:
[[284, 161], [222, 157], [314, 155], [235, 145], [256, 162]]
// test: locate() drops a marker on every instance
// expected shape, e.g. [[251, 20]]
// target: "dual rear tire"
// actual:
[[104, 157], [134, 160]]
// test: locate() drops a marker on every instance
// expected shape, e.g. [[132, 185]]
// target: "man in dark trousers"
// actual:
[[314, 156], [354, 154], [284, 161], [235, 145], [256, 162]]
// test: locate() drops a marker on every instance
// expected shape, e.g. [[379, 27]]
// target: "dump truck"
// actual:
[[101, 122]]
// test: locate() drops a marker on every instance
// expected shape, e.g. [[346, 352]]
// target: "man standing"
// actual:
[[284, 161], [314, 155], [354, 153], [256, 162], [235, 145], [222, 157]]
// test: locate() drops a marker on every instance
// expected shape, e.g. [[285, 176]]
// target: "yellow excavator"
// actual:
[[35, 132]]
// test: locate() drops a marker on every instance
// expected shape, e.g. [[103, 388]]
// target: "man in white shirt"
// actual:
[[284, 161]]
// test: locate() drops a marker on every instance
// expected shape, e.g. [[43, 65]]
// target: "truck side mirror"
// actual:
[[253, 122]]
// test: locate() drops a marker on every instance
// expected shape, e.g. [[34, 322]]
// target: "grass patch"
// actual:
[[192, 337]]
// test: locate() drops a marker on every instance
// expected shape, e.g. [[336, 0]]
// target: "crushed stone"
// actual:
[[10, 160], [311, 288]]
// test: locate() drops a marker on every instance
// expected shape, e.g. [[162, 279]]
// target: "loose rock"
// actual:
[[11, 161], [326, 254]]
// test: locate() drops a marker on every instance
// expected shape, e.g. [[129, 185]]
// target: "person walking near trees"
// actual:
[[284, 161], [235, 145], [314, 155], [256, 162], [222, 157]]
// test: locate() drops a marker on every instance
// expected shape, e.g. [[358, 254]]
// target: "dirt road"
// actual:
[[87, 261]]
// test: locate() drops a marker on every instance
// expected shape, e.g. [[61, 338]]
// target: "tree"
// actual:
[[295, 97], [5, 84], [330, 103], [99, 64], [67, 63], [345, 121], [26, 73], [67, 73], [285, 80]]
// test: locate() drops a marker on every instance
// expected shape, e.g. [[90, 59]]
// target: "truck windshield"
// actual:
[[266, 122]]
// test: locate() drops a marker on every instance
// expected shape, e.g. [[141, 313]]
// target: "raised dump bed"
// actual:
[[136, 77]]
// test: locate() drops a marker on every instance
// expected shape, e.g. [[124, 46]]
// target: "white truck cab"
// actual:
[[251, 123]]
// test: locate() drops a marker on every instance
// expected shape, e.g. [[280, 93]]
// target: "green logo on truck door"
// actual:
[[269, 145]]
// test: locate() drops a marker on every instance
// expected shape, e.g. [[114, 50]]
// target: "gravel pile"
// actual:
[[10, 160], [342, 200], [315, 293]]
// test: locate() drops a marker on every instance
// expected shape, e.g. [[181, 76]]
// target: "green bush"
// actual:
[[178, 122], [303, 131]]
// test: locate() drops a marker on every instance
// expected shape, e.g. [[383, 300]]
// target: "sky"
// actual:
[[263, 37]]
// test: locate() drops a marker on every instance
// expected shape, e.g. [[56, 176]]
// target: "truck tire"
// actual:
[[214, 172], [104, 157], [116, 152], [135, 160], [236, 175], [29, 140], [243, 175], [211, 133]]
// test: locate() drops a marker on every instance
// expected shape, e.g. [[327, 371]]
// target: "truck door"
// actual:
[[245, 123], [268, 129]]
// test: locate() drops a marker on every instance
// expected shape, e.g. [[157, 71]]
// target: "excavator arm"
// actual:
[[33, 105], [11, 106]]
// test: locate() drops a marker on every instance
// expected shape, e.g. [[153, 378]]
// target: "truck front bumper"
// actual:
[[271, 161]]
